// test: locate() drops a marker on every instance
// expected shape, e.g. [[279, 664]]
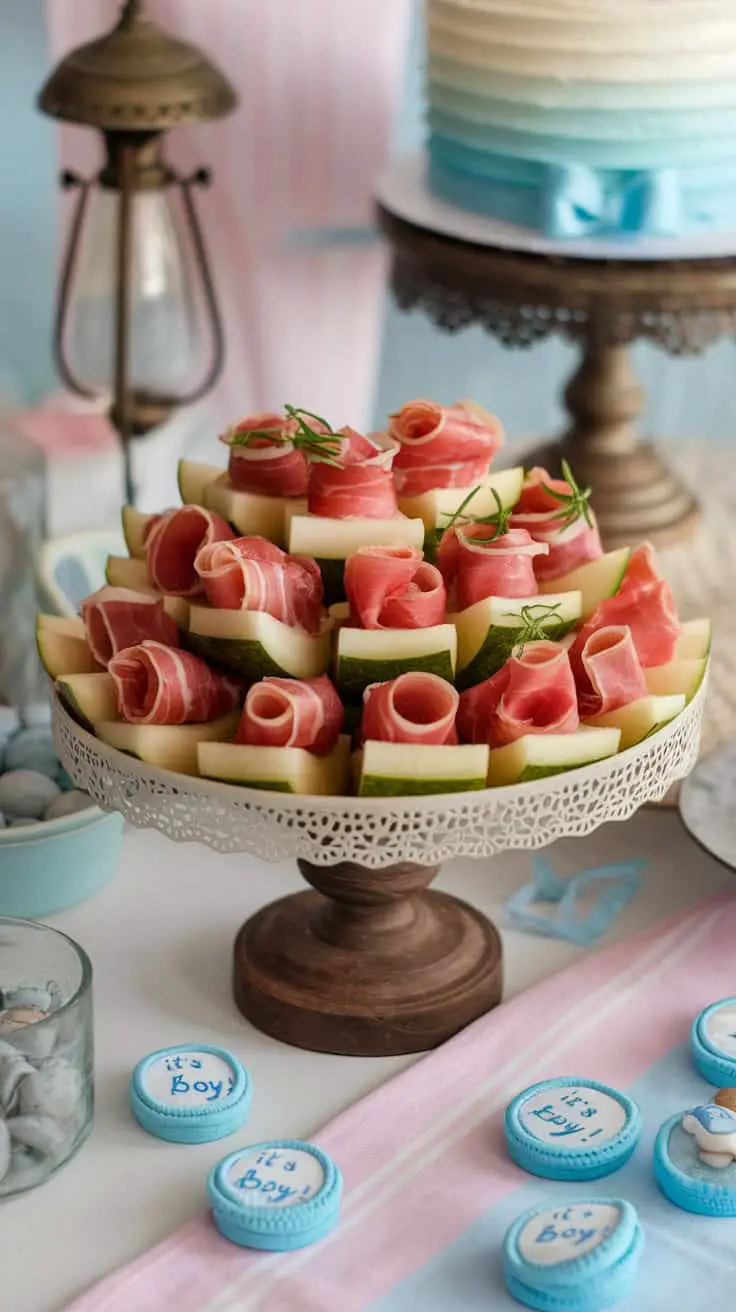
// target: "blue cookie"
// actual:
[[695, 1160], [277, 1196], [191, 1093], [713, 1042], [571, 1129], [581, 1256]]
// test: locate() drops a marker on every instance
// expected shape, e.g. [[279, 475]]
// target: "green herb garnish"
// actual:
[[499, 520], [574, 503], [534, 621], [322, 448]]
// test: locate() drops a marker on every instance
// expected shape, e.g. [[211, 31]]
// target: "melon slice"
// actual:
[[127, 572], [169, 746], [63, 648], [89, 697], [331, 541], [595, 580], [250, 513], [134, 527], [694, 641], [640, 718], [374, 655], [193, 477], [437, 506], [413, 769], [538, 755], [488, 630], [252, 644], [677, 676], [278, 769]]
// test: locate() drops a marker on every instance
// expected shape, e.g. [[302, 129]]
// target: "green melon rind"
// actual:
[[378, 786], [497, 648], [134, 524], [332, 572], [268, 785], [253, 645], [236, 655], [354, 675]]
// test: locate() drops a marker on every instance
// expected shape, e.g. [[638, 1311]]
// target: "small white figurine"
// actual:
[[714, 1129]]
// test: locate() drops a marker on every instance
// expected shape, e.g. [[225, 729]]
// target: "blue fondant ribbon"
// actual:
[[576, 202], [616, 883]]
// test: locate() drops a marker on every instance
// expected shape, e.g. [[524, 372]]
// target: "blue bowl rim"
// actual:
[[46, 830]]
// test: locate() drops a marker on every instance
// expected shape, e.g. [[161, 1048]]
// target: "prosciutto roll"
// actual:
[[253, 574], [441, 446], [537, 511], [115, 618], [611, 674], [292, 713], [393, 588], [534, 692], [413, 708], [269, 466], [172, 543], [644, 603], [481, 566], [158, 685], [359, 483]]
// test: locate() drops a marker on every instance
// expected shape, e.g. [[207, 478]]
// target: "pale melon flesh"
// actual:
[[63, 648], [134, 528], [414, 769], [277, 769], [128, 572], [331, 541], [536, 756], [367, 656], [595, 580], [694, 641], [250, 513], [640, 718], [437, 506], [252, 644], [90, 697], [168, 746], [488, 630], [677, 676], [192, 477]]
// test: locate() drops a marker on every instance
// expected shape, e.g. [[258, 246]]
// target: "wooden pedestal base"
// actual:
[[372, 964]]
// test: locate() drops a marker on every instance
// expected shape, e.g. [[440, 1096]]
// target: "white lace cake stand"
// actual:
[[370, 961]]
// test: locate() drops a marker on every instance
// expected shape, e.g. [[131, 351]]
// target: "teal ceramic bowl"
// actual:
[[59, 863]]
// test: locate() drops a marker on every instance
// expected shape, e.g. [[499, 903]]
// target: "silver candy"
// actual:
[[40, 1133], [55, 1090], [68, 804]]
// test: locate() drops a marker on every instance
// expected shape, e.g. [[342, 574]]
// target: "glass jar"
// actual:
[[22, 516], [46, 1052]]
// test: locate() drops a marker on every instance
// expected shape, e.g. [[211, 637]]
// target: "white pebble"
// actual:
[[4, 1150], [56, 1090], [39, 1133], [68, 804], [26, 794]]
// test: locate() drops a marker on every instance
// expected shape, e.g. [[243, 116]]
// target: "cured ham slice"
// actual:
[[358, 483], [442, 446], [413, 708], [534, 692], [270, 466], [612, 675], [172, 542], [292, 713], [541, 514], [115, 618], [159, 685], [645, 604], [482, 566], [253, 574], [393, 588]]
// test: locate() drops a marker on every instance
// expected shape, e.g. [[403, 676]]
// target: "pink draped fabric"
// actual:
[[318, 82]]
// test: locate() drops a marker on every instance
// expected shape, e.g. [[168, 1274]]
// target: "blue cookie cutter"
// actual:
[[618, 883], [571, 1129], [579, 1256], [685, 1178], [278, 1195], [714, 1062], [179, 1093]]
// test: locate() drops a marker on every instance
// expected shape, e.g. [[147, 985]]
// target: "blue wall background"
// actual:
[[687, 397]]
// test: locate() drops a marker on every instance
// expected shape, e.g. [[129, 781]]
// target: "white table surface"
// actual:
[[160, 939]]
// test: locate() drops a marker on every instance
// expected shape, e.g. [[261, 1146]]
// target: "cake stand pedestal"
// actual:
[[373, 962], [523, 293]]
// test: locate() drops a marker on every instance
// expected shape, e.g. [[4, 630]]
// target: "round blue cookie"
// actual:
[[280, 1195], [573, 1257], [695, 1160], [571, 1129], [191, 1093], [713, 1042]]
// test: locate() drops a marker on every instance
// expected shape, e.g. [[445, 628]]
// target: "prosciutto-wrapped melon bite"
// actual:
[[488, 568], [262, 611], [288, 740], [612, 687], [409, 741], [168, 700], [443, 464], [351, 503], [528, 713], [396, 620]]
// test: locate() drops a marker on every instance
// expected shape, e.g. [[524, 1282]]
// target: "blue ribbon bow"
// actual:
[[614, 884], [577, 202]]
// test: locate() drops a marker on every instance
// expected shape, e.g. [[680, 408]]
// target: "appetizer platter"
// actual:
[[368, 651]]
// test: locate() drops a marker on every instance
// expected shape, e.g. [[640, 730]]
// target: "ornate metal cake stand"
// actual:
[[371, 961], [603, 305]]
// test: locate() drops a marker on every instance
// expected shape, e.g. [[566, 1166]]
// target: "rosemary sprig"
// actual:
[[498, 520], [574, 503], [322, 448], [534, 627]]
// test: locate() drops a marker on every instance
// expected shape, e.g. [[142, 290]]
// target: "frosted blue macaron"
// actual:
[[571, 1129], [190, 1093], [686, 1177], [713, 1043], [279, 1195], [580, 1256]]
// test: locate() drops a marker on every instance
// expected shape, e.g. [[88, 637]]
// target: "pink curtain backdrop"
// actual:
[[318, 82]]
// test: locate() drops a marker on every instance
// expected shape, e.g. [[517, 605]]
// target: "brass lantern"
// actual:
[[135, 284]]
